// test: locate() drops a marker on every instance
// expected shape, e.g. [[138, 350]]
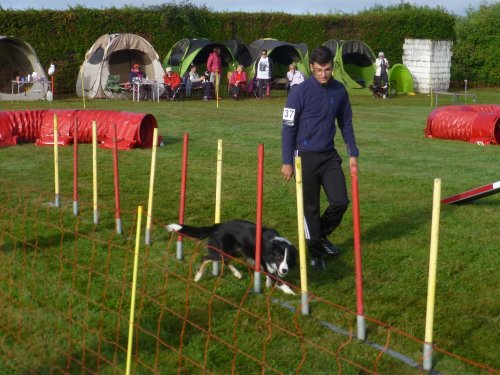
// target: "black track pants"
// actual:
[[322, 170]]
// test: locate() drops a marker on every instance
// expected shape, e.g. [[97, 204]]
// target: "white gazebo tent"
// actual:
[[19, 59]]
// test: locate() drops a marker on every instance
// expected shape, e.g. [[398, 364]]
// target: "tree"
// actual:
[[476, 56]]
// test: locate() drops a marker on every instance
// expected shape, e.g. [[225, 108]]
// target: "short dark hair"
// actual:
[[321, 55]]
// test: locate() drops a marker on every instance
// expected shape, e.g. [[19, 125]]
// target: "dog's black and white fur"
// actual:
[[237, 239]]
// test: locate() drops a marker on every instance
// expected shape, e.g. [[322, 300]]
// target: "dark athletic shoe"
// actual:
[[318, 263], [328, 247]]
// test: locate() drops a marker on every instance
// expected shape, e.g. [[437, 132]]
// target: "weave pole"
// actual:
[[147, 236], [94, 171], [182, 203], [116, 181], [258, 226], [75, 168], [217, 82], [56, 162], [431, 286], [361, 326], [302, 238], [133, 291], [218, 196]]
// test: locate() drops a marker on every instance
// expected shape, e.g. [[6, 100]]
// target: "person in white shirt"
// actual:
[[263, 73], [381, 77], [294, 76]]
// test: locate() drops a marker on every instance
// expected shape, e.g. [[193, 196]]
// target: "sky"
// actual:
[[457, 7]]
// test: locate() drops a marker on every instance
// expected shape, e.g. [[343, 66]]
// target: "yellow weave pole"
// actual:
[[134, 287], [56, 162], [431, 288], [151, 186], [217, 82], [94, 170], [218, 196], [83, 86], [302, 238]]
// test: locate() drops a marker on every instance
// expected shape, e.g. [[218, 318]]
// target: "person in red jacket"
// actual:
[[237, 81], [214, 67], [172, 82]]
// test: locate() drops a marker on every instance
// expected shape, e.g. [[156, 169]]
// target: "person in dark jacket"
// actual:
[[308, 131]]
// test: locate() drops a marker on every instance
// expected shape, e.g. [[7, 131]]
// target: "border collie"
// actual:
[[237, 239]]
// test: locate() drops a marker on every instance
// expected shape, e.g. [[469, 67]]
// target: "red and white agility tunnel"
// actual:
[[478, 123], [133, 129]]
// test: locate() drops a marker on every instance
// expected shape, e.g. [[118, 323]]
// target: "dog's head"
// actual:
[[281, 256]]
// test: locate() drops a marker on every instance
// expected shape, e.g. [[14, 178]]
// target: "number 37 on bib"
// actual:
[[288, 116]]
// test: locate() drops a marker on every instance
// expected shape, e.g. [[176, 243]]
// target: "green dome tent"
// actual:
[[196, 51], [400, 79], [240, 51], [282, 54], [354, 64]]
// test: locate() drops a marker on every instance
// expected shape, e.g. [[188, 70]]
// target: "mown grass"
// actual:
[[397, 167]]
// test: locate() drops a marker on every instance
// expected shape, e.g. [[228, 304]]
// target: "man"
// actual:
[[263, 73], [308, 131]]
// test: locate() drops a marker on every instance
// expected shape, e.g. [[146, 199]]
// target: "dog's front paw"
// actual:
[[173, 227], [286, 289], [269, 281]]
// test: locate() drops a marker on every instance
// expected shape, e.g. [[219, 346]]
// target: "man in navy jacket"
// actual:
[[308, 131]]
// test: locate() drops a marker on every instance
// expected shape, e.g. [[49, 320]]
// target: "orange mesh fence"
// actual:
[[65, 288]]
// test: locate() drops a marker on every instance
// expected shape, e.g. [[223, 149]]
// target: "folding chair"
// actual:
[[114, 87]]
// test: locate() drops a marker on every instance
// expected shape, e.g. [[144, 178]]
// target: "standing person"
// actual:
[[381, 77], [172, 82], [263, 72], [214, 67], [294, 76], [237, 81], [308, 131]]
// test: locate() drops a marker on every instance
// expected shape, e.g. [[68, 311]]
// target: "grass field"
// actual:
[[397, 168]]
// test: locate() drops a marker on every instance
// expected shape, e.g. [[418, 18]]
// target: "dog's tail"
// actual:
[[195, 232]]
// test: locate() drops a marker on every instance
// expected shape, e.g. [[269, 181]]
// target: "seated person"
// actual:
[[172, 82], [294, 76], [196, 81], [137, 75], [237, 81]]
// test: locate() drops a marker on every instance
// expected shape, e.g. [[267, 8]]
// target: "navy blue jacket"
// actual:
[[309, 119]]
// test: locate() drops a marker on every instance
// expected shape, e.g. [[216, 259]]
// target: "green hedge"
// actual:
[[63, 37]]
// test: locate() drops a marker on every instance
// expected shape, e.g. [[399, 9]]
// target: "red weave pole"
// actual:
[[260, 193], [182, 203], [116, 180], [75, 162], [357, 250]]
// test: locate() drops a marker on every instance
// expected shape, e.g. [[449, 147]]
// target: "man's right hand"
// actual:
[[287, 171]]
